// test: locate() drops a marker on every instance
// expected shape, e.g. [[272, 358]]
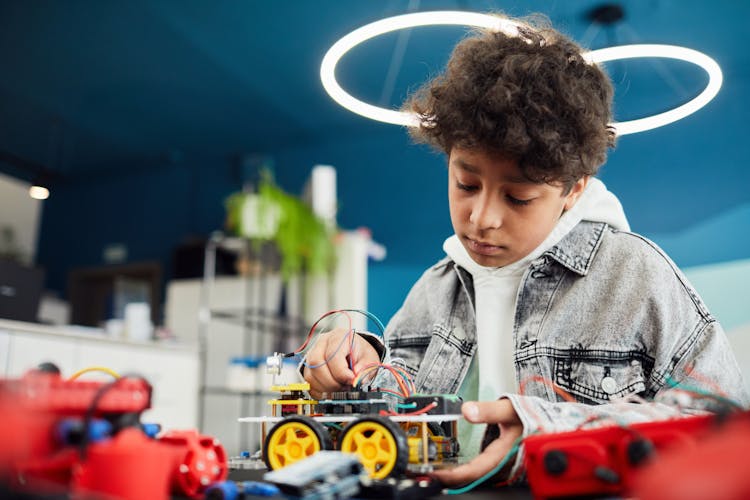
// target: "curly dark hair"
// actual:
[[531, 97]]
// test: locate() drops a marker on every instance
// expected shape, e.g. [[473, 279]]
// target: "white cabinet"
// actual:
[[27, 350], [4, 346], [172, 374], [173, 371], [243, 319]]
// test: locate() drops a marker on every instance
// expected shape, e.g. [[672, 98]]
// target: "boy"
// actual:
[[544, 287]]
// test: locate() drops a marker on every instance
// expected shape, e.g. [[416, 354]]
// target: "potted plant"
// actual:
[[303, 240]]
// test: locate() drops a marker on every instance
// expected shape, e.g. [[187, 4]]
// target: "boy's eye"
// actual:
[[465, 187], [516, 201]]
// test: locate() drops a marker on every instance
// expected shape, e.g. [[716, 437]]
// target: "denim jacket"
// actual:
[[604, 314]]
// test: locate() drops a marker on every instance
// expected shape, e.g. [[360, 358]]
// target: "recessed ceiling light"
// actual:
[[38, 192], [460, 18]]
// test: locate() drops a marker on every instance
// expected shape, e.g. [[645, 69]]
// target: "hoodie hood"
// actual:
[[596, 204]]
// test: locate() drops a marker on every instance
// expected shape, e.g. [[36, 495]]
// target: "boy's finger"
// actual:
[[495, 412], [319, 380], [363, 355], [338, 366]]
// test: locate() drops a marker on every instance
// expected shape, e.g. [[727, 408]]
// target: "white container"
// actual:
[[138, 325], [249, 374], [243, 374], [323, 193], [115, 328]]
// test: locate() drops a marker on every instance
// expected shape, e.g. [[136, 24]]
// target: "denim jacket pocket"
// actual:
[[408, 351], [599, 376], [445, 361]]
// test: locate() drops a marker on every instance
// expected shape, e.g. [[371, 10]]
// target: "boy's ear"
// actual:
[[575, 192]]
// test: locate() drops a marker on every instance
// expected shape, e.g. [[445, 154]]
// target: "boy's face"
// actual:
[[499, 216]]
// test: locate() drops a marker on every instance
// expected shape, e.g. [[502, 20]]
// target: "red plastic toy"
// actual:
[[715, 468], [129, 466], [197, 462], [83, 437], [606, 460]]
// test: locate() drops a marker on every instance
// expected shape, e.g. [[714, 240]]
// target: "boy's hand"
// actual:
[[499, 412], [336, 374]]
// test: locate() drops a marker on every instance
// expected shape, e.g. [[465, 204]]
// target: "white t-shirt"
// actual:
[[492, 371]]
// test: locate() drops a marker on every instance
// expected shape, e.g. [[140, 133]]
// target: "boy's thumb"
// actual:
[[470, 411], [495, 412]]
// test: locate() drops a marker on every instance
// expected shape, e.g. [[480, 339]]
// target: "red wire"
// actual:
[[510, 480], [312, 329], [396, 375], [692, 373]]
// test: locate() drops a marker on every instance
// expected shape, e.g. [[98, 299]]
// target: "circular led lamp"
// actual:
[[368, 31], [711, 67], [459, 18]]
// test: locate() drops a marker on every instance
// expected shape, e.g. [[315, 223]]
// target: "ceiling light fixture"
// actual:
[[368, 31], [459, 18], [710, 66], [38, 192]]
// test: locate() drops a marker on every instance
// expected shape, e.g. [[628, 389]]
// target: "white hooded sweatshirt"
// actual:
[[492, 371]]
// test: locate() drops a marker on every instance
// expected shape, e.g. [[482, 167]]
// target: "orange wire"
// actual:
[[558, 390], [396, 375], [395, 393], [399, 379], [359, 377], [690, 372]]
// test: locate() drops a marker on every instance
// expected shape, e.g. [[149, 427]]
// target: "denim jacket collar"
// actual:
[[577, 249]]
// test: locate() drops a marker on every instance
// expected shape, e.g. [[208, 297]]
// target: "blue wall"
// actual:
[[682, 185]]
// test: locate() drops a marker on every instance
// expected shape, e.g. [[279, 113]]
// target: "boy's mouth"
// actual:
[[484, 248]]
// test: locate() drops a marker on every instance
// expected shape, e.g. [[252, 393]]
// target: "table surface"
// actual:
[[507, 493]]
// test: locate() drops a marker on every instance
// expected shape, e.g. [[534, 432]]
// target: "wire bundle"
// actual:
[[403, 380]]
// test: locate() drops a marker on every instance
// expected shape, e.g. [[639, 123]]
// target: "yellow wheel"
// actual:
[[380, 445], [293, 439]]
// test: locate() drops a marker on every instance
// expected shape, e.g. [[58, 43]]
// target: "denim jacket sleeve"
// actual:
[[432, 336]]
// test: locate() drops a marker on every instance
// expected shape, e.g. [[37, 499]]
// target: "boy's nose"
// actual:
[[486, 214]]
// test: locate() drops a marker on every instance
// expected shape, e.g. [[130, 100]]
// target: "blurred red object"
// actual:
[[61, 436], [33, 458], [604, 460], [197, 461], [715, 468], [130, 466]]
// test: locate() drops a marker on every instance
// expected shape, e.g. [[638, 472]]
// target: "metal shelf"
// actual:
[[258, 326]]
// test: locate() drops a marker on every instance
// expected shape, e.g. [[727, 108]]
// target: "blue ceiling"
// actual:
[[114, 84]]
